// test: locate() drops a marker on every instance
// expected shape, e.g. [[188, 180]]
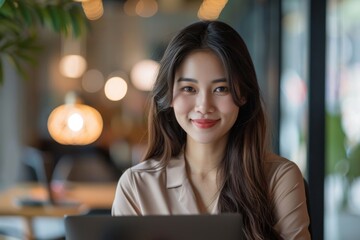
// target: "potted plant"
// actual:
[[20, 21]]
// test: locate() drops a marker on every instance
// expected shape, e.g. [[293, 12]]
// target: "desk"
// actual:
[[94, 195]]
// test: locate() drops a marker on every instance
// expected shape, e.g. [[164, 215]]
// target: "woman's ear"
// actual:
[[242, 101]]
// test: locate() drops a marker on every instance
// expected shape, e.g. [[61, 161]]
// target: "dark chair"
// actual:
[[89, 167], [37, 165], [307, 193]]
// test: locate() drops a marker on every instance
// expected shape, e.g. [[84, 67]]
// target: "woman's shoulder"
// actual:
[[143, 172], [153, 173], [274, 162], [287, 193], [146, 169], [150, 165], [277, 167]]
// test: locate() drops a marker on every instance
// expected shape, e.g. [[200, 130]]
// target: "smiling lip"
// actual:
[[204, 123]]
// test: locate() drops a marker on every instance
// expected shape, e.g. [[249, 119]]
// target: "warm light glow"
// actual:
[[115, 88], [211, 9], [143, 74], [146, 8], [93, 9], [72, 66], [92, 81], [129, 7], [75, 124]]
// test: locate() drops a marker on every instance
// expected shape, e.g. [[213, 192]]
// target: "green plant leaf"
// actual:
[[10, 8], [65, 23], [7, 25], [335, 142], [76, 28], [26, 56], [19, 22], [18, 66], [55, 18], [26, 13], [6, 9], [40, 14], [8, 44], [354, 161]]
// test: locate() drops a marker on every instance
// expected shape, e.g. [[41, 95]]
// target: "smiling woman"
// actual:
[[208, 150], [202, 103]]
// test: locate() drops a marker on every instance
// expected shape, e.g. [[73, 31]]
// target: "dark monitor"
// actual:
[[163, 227]]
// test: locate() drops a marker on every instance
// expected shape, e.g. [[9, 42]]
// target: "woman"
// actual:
[[208, 150]]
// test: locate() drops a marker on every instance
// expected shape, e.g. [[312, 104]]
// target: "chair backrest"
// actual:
[[84, 168], [39, 163]]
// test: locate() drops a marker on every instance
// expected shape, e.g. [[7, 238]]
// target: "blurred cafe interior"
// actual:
[[75, 76]]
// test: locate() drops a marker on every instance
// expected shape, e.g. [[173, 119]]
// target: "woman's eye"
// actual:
[[188, 89], [221, 89]]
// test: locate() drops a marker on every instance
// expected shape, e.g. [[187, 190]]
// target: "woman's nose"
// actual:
[[204, 103]]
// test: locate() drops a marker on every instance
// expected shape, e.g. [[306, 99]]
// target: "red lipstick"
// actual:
[[204, 123]]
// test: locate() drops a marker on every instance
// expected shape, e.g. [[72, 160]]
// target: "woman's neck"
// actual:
[[203, 159], [202, 165]]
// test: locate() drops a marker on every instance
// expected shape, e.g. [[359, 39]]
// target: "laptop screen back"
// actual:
[[175, 227]]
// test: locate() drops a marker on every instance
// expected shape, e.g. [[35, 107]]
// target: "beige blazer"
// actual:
[[147, 189]]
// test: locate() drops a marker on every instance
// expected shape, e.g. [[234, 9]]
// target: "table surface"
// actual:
[[88, 195]]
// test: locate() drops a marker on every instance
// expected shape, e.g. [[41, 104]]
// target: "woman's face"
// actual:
[[202, 102]]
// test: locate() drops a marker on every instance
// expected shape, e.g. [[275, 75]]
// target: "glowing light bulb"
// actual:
[[75, 122]]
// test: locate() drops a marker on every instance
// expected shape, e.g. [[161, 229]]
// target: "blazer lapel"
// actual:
[[178, 183]]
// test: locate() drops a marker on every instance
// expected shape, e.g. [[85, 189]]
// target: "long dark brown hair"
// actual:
[[245, 188]]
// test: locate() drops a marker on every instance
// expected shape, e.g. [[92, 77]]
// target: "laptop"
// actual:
[[159, 227]]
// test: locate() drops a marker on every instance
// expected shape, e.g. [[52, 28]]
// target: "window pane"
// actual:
[[342, 183], [294, 79]]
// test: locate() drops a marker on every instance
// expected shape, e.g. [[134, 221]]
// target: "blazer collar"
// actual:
[[176, 177], [176, 172]]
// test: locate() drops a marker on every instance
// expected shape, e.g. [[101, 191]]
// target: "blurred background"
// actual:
[[75, 78]]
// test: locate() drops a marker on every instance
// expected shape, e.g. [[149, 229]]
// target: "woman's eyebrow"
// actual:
[[182, 79], [219, 80]]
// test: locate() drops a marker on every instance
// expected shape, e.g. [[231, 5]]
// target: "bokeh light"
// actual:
[[93, 9], [144, 73], [92, 81], [129, 7], [211, 9], [72, 66], [146, 8], [115, 88]]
